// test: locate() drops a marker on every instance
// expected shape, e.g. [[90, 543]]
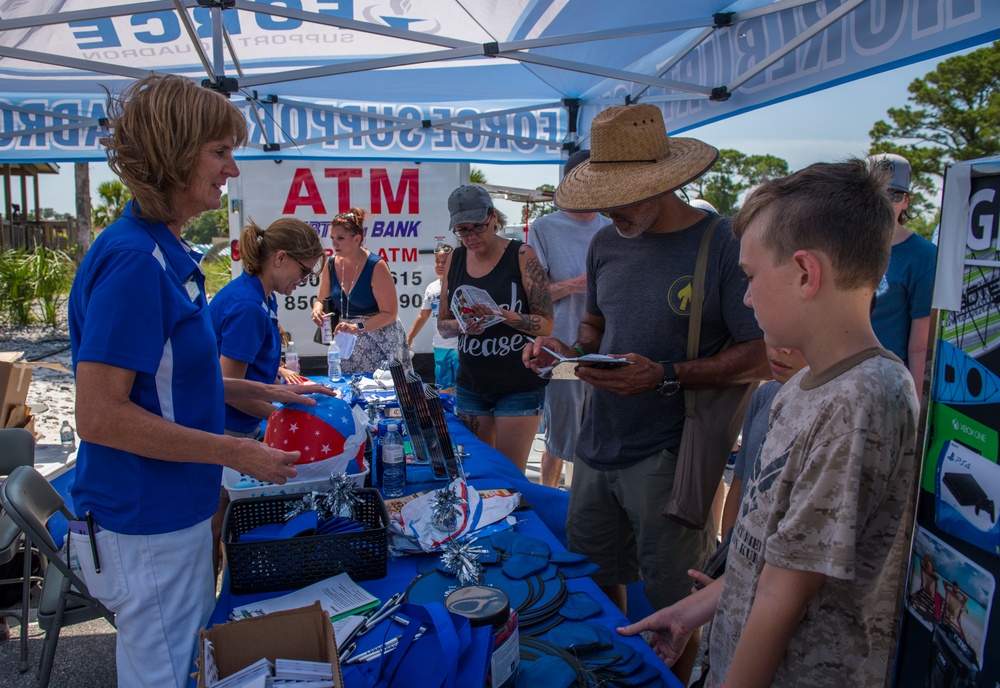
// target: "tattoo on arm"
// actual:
[[536, 281], [527, 323]]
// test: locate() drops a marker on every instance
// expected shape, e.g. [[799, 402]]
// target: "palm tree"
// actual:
[[477, 176], [114, 196]]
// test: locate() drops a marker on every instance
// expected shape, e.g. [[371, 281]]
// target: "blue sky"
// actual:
[[823, 126]]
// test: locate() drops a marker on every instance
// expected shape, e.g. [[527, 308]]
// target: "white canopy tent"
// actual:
[[470, 80]]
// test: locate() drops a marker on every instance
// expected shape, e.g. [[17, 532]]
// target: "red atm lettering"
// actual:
[[305, 192], [408, 180], [404, 255]]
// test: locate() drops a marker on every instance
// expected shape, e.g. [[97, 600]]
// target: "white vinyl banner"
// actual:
[[407, 205]]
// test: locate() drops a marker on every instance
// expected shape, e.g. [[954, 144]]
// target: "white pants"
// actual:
[[162, 592]]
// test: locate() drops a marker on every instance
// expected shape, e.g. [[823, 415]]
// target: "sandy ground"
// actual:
[[52, 394]]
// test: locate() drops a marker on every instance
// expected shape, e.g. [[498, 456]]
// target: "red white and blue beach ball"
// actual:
[[325, 431]]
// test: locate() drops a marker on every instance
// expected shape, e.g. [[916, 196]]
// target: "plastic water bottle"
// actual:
[[67, 438], [393, 463], [333, 361], [292, 358]]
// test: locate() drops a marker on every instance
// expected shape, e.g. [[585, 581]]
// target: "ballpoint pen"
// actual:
[[93, 542], [378, 618]]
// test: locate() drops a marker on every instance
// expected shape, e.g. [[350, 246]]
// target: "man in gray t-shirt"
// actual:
[[561, 240], [639, 281]]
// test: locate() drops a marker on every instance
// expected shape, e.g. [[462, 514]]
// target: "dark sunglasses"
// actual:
[[444, 248], [307, 272]]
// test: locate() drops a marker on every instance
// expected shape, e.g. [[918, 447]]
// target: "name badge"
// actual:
[[192, 289]]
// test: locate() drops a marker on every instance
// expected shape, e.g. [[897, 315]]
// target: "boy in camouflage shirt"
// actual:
[[809, 596]]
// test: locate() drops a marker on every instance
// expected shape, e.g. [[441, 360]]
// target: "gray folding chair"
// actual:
[[17, 448], [31, 501]]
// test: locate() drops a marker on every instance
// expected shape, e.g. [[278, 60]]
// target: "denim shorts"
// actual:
[[469, 403]]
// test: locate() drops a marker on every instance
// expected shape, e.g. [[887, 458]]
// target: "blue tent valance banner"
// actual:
[[448, 80]]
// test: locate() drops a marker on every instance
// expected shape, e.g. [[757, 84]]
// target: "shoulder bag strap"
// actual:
[[697, 301]]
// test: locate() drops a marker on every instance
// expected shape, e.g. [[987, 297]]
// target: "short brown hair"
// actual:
[[158, 126], [841, 209], [287, 234]]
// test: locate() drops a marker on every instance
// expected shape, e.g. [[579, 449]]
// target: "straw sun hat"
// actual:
[[631, 160]]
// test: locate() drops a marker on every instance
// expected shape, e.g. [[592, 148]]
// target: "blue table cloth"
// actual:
[[486, 468]]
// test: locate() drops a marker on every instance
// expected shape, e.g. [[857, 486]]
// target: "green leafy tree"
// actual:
[[114, 197], [204, 227], [536, 210], [953, 114], [477, 176], [732, 175]]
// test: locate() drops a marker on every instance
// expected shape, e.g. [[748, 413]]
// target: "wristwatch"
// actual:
[[670, 384], [360, 325]]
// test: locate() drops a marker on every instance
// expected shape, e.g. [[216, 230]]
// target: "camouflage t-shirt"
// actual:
[[829, 495]]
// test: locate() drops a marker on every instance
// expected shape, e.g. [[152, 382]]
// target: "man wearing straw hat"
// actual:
[[639, 274]]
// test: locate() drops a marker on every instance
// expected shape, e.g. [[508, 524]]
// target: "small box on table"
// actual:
[[300, 634]]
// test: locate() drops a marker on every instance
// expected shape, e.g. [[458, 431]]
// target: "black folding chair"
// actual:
[[17, 448], [31, 501]]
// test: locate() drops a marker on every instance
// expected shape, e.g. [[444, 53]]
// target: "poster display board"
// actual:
[[407, 206], [950, 634]]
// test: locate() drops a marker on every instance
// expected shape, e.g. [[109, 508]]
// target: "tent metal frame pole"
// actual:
[[43, 130], [622, 75], [362, 66], [792, 45], [75, 63], [49, 113], [217, 45], [193, 37], [352, 24], [95, 13], [607, 34]]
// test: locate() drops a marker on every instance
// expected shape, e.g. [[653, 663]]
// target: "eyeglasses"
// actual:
[[307, 271], [896, 196], [462, 232], [444, 248]]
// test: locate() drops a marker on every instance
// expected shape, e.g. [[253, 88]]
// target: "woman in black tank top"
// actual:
[[497, 396]]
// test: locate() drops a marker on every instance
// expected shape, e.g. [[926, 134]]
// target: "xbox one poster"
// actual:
[[948, 609]]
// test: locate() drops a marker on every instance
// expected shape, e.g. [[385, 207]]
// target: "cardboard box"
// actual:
[[303, 634], [15, 378]]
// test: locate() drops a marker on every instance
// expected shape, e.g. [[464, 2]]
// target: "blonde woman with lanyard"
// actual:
[[360, 286]]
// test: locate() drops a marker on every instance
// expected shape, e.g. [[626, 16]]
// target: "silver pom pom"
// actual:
[[462, 560]]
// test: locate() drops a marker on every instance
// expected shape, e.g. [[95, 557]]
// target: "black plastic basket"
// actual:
[[273, 565]]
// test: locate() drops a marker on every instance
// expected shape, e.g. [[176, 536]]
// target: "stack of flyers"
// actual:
[[472, 305]]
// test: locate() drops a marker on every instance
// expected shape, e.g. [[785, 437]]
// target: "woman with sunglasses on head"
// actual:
[[499, 399], [245, 319], [445, 350], [360, 286]]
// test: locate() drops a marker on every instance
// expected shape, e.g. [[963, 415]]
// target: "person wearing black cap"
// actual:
[[497, 396], [902, 315], [561, 240]]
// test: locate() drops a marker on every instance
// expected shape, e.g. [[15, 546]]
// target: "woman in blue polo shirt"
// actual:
[[150, 396], [245, 317], [245, 311]]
